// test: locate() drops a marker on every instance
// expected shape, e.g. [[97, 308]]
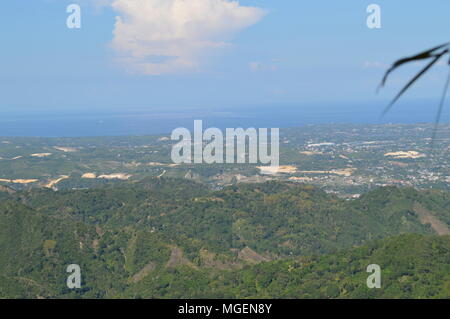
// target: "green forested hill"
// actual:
[[412, 266], [175, 238]]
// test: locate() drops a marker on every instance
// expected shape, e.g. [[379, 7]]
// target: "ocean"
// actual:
[[70, 123]]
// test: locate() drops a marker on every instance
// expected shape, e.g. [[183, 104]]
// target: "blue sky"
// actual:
[[284, 51]]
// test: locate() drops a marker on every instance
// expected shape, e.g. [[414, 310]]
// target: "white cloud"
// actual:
[[171, 36], [255, 66], [98, 4], [258, 66], [102, 3], [375, 65]]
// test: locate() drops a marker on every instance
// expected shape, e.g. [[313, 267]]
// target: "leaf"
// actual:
[[412, 81], [439, 114], [421, 56]]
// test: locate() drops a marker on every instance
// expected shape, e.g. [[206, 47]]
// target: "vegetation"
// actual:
[[173, 238]]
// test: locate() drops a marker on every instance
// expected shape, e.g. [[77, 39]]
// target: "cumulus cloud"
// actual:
[[171, 36]]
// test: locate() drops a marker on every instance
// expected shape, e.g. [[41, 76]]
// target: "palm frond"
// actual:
[[441, 107], [420, 56], [412, 81], [435, 54]]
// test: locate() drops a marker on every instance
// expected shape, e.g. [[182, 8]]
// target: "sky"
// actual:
[[215, 54]]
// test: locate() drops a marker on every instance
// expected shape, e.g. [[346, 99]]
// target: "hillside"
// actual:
[[175, 238], [413, 266]]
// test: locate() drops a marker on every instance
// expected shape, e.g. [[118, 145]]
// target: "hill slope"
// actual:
[[175, 238]]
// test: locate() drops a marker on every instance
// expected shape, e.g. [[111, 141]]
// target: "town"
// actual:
[[347, 160]]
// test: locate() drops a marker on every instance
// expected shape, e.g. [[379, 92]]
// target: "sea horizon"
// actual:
[[134, 122]]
